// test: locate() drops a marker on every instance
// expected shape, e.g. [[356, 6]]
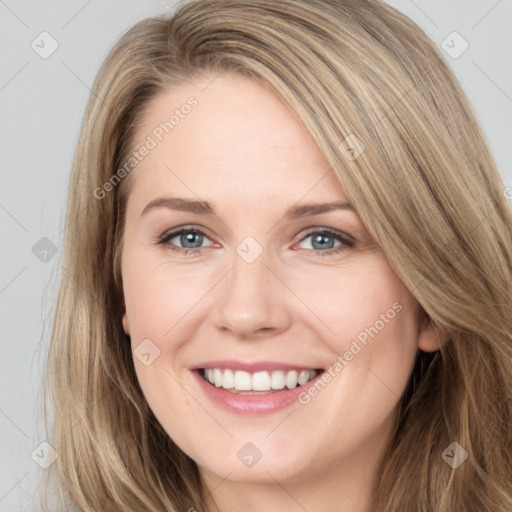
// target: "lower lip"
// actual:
[[252, 404]]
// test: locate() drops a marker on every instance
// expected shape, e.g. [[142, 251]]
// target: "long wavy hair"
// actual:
[[425, 187]]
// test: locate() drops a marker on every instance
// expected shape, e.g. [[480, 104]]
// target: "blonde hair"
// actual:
[[425, 187]]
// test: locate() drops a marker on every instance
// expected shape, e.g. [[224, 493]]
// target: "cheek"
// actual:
[[159, 298], [159, 305], [369, 321], [363, 302]]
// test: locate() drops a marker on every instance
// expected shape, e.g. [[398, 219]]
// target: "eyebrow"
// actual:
[[205, 208]]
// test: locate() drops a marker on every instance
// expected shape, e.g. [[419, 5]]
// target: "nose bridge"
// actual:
[[251, 301]]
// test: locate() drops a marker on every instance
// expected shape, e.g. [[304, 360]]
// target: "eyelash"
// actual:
[[346, 242]]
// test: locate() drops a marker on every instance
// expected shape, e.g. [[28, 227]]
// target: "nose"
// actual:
[[254, 302]]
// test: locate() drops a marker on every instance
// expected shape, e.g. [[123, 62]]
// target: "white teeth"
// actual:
[[291, 379], [228, 379], [261, 381], [277, 380], [217, 376], [258, 381], [303, 377], [243, 381]]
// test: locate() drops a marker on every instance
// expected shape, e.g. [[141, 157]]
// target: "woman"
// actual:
[[288, 273]]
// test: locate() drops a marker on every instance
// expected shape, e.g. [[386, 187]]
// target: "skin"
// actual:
[[242, 150]]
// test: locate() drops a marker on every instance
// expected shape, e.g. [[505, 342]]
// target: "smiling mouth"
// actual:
[[257, 383]]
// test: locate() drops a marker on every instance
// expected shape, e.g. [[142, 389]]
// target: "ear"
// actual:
[[126, 325], [431, 338]]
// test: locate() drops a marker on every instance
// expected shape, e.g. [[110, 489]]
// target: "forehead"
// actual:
[[238, 140]]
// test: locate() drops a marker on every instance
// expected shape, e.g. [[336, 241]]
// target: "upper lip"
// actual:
[[251, 367]]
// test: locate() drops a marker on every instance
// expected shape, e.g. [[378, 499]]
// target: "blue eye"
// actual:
[[324, 240], [191, 239], [322, 243]]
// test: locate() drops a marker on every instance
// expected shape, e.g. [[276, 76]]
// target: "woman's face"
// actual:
[[262, 286]]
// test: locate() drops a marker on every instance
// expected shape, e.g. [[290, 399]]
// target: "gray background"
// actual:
[[42, 102]]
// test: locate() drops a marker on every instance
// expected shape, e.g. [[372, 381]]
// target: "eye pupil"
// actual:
[[189, 238], [321, 239]]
